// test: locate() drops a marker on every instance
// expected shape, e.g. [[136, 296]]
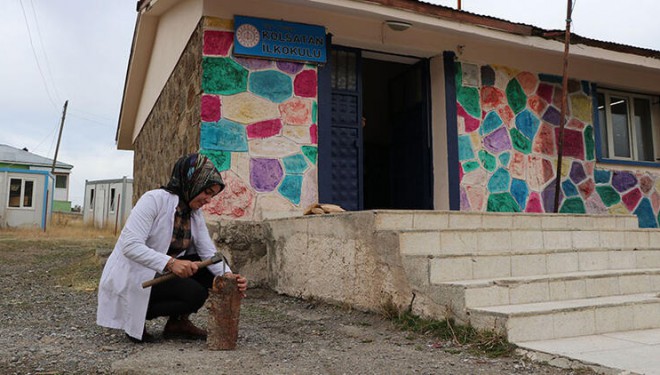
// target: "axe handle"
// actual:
[[171, 275]]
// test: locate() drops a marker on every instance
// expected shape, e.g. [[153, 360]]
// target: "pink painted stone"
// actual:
[[518, 165], [586, 188], [211, 108], [646, 184], [305, 84], [575, 124], [314, 133], [264, 129], [492, 98], [595, 205], [589, 167], [631, 199], [296, 111], [573, 143], [556, 97], [655, 201], [235, 201], [528, 81], [461, 173], [476, 195], [507, 116], [217, 42], [544, 142], [534, 203], [539, 172], [471, 123], [545, 91], [537, 104]]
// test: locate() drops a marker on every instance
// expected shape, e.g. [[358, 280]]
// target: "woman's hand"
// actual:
[[241, 281], [183, 268]]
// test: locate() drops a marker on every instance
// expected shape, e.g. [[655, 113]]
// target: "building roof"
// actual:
[[12, 155]]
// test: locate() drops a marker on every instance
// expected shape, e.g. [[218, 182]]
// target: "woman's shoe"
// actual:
[[182, 327]]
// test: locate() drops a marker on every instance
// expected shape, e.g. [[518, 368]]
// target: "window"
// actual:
[[91, 199], [626, 126], [21, 193], [60, 181], [112, 200]]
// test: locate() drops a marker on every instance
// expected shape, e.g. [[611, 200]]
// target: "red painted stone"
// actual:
[[217, 42], [492, 98], [534, 203], [575, 124], [296, 111], [264, 129], [631, 199], [235, 201], [537, 104], [305, 84], [545, 91], [586, 188], [518, 165], [573, 143], [211, 108], [461, 173], [471, 123], [556, 97], [544, 142], [528, 82], [655, 201], [314, 133], [646, 184], [507, 116]]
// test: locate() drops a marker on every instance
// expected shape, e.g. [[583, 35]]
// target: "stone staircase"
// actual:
[[533, 277]]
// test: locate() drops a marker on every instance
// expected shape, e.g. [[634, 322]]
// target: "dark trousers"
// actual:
[[180, 296]]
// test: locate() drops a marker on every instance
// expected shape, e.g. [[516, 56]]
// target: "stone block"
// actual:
[[458, 242], [593, 260], [561, 290], [434, 220], [529, 293], [602, 286], [485, 267], [464, 220], [529, 265], [530, 328], [636, 239], [562, 262], [613, 319], [611, 240], [645, 315], [633, 284], [450, 269], [486, 296], [497, 221], [522, 221], [419, 243], [648, 259], [494, 242], [417, 270], [586, 239], [574, 323], [527, 241], [557, 240], [393, 221], [554, 222]]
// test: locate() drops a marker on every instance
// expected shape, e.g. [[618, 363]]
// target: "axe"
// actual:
[[203, 264]]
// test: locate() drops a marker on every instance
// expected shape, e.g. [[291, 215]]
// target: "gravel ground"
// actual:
[[47, 326]]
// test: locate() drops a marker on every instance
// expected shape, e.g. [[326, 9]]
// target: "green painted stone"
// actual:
[[573, 206], [223, 76], [502, 202], [469, 166], [516, 96], [458, 75], [487, 160], [315, 112], [520, 142], [469, 98], [608, 195], [504, 159], [311, 152], [221, 159], [589, 142]]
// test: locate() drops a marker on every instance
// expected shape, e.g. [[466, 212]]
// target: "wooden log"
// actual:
[[224, 305]]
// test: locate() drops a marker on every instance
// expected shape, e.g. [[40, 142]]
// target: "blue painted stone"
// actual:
[[291, 188], [295, 164], [527, 123], [465, 148], [487, 76], [550, 78], [586, 87], [490, 123], [272, 85], [602, 176], [520, 192], [569, 189], [577, 172], [223, 135], [552, 115], [499, 182], [645, 216], [505, 157]]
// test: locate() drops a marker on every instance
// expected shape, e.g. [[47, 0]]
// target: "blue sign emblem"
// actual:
[[279, 40]]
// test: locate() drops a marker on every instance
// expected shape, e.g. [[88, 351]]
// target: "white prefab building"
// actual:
[[108, 203], [27, 198]]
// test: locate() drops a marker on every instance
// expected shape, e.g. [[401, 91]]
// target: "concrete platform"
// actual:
[[629, 352]]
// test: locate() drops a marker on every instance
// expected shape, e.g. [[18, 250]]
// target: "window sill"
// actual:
[[648, 164]]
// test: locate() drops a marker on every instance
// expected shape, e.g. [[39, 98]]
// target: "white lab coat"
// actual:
[[141, 252]]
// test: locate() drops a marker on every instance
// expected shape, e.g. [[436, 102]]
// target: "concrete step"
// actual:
[[554, 287], [570, 318], [403, 220]]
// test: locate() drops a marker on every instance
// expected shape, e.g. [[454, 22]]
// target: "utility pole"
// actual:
[[564, 104], [459, 4], [59, 137]]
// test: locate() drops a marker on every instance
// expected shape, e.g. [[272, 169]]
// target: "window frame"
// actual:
[[66, 181], [113, 198], [22, 195], [632, 134]]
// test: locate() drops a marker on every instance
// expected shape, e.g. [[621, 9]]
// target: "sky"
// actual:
[[78, 50]]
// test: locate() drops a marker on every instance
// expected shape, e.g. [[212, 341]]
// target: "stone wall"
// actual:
[[508, 124], [172, 128]]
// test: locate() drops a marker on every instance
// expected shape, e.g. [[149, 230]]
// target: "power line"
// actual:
[[43, 49]]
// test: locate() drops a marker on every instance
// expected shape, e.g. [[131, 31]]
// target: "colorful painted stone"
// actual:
[[544, 143], [520, 142], [608, 195], [577, 172], [272, 85], [569, 189], [254, 64], [573, 143], [519, 191], [295, 164], [314, 134], [291, 188], [298, 134], [471, 165], [464, 200], [497, 141], [296, 111], [465, 148], [645, 216], [552, 115], [471, 123], [545, 91], [265, 174], [491, 98], [487, 160], [476, 177], [236, 201], [594, 205], [534, 203], [491, 122], [602, 176], [646, 184], [305, 84], [507, 116], [273, 147], [221, 159], [264, 129], [587, 188], [487, 75], [581, 107], [631, 198], [518, 165], [589, 143], [573, 206], [537, 104], [548, 196], [223, 135], [223, 76], [217, 42], [502, 202], [505, 157], [623, 181], [310, 153], [476, 195], [500, 181], [247, 108], [290, 67], [552, 78], [527, 123], [528, 82], [468, 97], [210, 108], [516, 96]]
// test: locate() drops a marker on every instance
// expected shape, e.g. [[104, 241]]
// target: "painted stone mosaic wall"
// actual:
[[258, 124], [508, 124]]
